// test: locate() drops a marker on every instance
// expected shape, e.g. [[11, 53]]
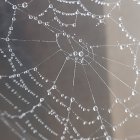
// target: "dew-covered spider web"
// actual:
[[70, 69]]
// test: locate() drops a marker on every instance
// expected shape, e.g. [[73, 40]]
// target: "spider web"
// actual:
[[53, 72]]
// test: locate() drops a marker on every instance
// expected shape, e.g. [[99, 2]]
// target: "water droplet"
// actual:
[[13, 19], [74, 53], [14, 7], [102, 126], [81, 53], [30, 17], [72, 99], [98, 117], [41, 99], [95, 108], [54, 87], [108, 138], [50, 6], [24, 5]]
